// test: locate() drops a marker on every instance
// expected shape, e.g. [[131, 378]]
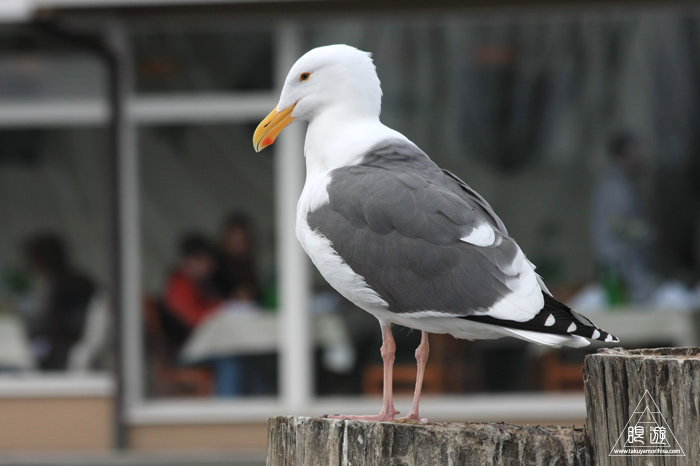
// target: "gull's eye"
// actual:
[[304, 76]]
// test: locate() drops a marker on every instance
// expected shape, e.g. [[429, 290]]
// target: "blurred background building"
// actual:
[[152, 294]]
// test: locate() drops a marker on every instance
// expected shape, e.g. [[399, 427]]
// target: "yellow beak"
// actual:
[[268, 129]]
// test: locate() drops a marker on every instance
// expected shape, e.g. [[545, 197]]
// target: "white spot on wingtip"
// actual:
[[550, 321], [483, 236], [572, 328], [596, 334], [610, 338]]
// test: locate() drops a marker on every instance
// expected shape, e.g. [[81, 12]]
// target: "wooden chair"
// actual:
[[169, 379], [557, 375]]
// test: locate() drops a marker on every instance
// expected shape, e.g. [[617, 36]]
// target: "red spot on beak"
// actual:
[[267, 141]]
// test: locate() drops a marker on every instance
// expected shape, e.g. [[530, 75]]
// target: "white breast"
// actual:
[[328, 148]]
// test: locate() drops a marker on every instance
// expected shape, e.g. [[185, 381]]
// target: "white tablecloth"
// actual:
[[228, 333], [15, 349], [641, 327]]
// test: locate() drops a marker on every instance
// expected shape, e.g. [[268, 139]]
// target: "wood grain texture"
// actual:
[[615, 381], [320, 441]]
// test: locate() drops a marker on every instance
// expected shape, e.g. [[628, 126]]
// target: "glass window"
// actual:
[[38, 68], [528, 112], [171, 60], [54, 250], [55, 254], [207, 217]]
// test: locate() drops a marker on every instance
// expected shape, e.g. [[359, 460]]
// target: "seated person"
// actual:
[[236, 278], [189, 295], [236, 275], [57, 325]]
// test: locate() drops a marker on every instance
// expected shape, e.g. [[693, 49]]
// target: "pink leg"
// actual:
[[421, 358], [388, 412]]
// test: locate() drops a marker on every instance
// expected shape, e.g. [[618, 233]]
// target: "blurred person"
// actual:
[[236, 278], [621, 228], [189, 295], [192, 295], [236, 274], [58, 322]]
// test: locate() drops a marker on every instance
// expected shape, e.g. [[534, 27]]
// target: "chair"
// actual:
[[169, 379], [557, 375]]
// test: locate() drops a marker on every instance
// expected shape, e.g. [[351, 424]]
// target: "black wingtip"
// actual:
[[603, 336], [555, 318]]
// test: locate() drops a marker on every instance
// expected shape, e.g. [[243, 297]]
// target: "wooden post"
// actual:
[[621, 384], [319, 441], [655, 390]]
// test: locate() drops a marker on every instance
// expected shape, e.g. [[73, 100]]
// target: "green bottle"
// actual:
[[613, 285]]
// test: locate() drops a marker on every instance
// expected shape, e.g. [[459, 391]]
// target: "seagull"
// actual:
[[396, 235]]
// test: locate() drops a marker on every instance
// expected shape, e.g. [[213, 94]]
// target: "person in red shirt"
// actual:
[[189, 295]]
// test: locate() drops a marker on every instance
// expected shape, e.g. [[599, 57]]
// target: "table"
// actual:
[[15, 349], [232, 333], [638, 326]]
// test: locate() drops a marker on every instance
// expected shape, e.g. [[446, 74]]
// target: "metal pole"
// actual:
[[126, 234], [124, 225]]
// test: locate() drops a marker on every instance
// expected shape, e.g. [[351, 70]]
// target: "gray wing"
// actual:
[[400, 222], [479, 202]]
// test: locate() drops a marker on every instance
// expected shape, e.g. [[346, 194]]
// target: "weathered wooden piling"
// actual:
[[318, 441], [617, 383]]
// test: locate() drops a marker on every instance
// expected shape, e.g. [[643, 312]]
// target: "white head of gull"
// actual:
[[336, 89], [406, 241]]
